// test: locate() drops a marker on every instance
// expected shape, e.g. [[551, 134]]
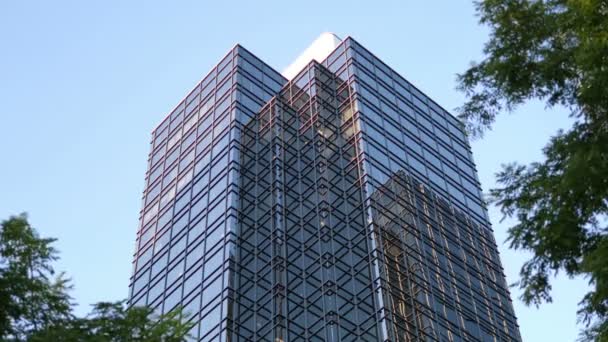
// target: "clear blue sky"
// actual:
[[83, 83]]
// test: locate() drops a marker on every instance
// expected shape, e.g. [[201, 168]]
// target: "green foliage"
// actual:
[[557, 52], [30, 295], [114, 322], [35, 305]]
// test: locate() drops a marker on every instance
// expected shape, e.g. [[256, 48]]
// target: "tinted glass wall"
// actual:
[[185, 238], [439, 264], [302, 270], [342, 205]]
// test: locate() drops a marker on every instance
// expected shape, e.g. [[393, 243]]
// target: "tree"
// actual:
[[31, 296], [35, 304], [555, 51], [114, 322]]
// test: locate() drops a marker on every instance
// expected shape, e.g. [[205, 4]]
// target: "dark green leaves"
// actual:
[[31, 296], [114, 322], [557, 52]]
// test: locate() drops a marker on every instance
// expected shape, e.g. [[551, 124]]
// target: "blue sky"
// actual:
[[82, 84]]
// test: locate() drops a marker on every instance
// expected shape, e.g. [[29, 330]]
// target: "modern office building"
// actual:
[[335, 202]]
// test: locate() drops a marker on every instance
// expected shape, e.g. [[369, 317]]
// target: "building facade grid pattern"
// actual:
[[341, 205]]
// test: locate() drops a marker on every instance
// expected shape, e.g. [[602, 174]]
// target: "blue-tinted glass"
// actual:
[[282, 181]]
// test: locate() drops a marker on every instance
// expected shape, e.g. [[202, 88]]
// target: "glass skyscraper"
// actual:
[[337, 204]]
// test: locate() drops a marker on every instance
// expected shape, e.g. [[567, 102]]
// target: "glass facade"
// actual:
[[340, 205]]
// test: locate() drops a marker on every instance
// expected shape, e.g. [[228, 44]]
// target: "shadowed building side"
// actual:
[[302, 268]]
